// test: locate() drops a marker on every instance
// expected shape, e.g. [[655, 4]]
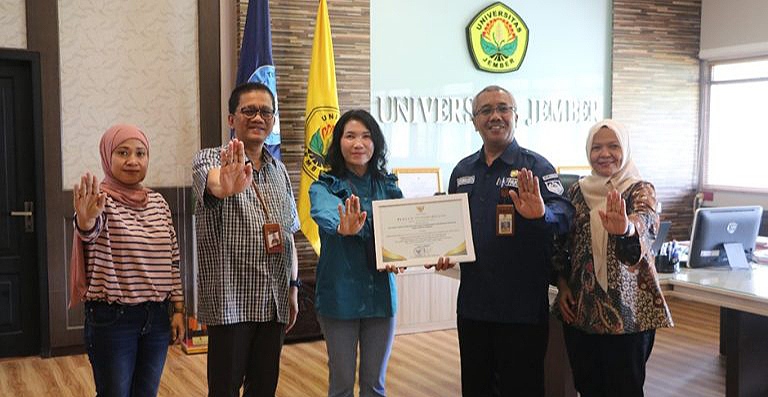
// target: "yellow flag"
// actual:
[[321, 115]]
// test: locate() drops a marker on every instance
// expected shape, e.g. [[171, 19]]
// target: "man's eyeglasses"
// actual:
[[501, 109], [251, 112]]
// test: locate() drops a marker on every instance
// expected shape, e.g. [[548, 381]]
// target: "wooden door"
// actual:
[[19, 276]]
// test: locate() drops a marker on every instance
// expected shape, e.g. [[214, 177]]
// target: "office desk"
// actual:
[[743, 298]]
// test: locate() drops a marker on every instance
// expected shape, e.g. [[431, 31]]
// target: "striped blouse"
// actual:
[[132, 255]]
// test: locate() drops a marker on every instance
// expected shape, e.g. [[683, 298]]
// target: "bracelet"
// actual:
[[295, 283], [95, 225], [178, 310]]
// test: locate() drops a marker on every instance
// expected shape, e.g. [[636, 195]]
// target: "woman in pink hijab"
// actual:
[[125, 266], [609, 296]]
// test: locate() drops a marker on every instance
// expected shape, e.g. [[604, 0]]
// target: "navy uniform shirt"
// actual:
[[509, 281]]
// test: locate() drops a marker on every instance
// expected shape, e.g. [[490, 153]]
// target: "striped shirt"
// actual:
[[132, 255], [237, 279]]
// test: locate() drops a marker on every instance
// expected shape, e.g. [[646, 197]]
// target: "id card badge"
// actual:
[[273, 239], [505, 220]]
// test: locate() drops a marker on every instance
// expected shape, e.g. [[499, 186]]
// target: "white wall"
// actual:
[[419, 50], [13, 24], [733, 28], [728, 199], [134, 62]]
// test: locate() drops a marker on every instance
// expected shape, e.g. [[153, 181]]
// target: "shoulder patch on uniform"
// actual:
[[554, 186], [465, 180], [550, 176]]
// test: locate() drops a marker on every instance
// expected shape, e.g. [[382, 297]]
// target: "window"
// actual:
[[735, 152]]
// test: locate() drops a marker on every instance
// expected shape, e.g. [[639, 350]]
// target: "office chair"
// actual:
[[568, 180]]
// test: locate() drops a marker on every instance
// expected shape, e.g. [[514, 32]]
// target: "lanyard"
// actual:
[[261, 200], [256, 189]]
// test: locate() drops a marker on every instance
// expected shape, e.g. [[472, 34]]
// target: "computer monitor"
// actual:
[[661, 236], [720, 229]]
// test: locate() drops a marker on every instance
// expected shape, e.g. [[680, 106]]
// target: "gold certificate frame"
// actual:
[[418, 231]]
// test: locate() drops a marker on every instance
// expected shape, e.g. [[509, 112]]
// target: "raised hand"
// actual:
[[234, 174], [527, 199], [88, 201], [614, 218], [351, 219]]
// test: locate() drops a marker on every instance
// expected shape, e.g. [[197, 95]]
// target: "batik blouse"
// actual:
[[633, 301]]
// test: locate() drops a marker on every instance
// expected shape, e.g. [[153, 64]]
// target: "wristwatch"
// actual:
[[295, 283], [630, 230]]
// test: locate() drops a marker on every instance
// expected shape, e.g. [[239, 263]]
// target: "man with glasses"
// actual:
[[245, 220], [516, 206]]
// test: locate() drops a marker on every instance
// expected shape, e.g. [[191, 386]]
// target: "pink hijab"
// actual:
[[135, 196]]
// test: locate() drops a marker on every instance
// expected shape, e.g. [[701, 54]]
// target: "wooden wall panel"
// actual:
[[656, 94], [293, 28], [43, 37], [209, 49]]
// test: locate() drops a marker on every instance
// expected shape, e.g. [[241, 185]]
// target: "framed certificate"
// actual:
[[419, 182], [418, 231], [580, 170]]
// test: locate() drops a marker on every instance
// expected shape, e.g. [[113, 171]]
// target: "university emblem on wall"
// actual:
[[498, 39]]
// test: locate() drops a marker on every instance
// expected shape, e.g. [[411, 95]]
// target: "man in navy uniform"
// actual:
[[503, 307]]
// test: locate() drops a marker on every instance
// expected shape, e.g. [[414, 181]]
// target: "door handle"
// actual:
[[28, 214], [21, 213]]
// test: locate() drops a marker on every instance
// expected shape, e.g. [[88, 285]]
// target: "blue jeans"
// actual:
[[127, 346], [375, 337]]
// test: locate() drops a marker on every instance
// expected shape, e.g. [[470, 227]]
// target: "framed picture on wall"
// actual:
[[580, 170], [419, 182]]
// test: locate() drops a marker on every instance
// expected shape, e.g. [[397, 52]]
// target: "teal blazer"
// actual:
[[348, 286]]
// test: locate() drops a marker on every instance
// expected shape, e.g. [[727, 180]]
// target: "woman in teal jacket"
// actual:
[[355, 303]]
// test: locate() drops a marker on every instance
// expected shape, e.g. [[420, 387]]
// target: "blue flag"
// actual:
[[256, 61]]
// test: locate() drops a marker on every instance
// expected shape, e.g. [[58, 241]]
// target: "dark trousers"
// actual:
[[608, 365], [244, 354], [500, 359], [127, 347]]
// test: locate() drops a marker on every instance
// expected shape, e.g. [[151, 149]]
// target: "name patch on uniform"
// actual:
[[554, 186], [465, 180], [548, 177], [507, 182]]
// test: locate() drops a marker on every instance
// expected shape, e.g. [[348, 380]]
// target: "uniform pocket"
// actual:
[[465, 189]]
